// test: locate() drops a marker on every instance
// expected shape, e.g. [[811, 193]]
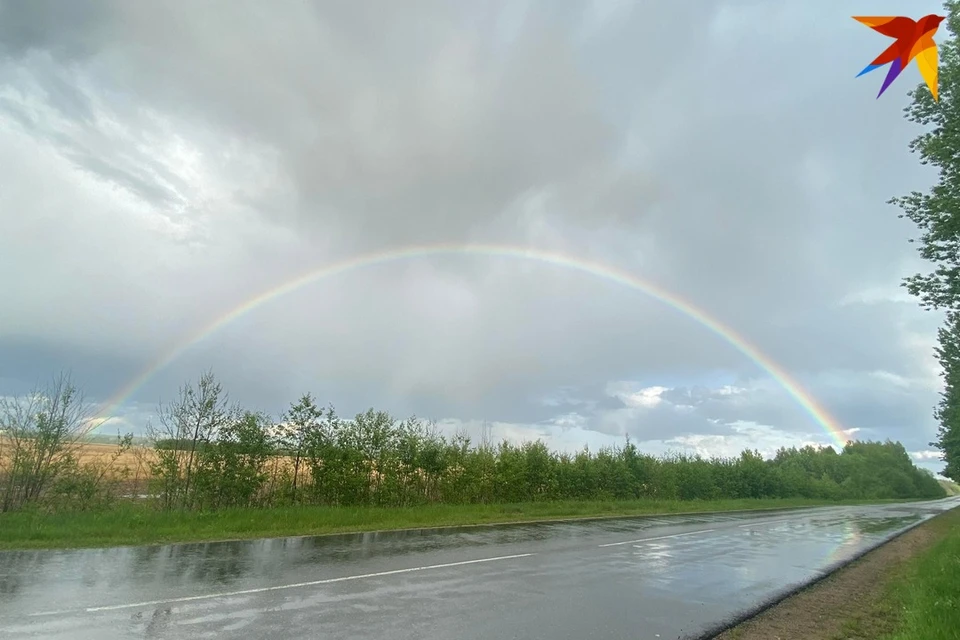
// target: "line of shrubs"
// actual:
[[205, 453]]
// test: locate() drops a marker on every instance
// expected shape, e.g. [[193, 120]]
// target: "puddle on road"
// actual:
[[883, 525]]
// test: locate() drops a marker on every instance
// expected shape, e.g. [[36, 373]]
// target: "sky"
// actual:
[[165, 163]]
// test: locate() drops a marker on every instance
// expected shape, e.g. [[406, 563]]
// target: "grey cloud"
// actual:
[[64, 96], [480, 129], [69, 30], [853, 336], [143, 186], [660, 422], [748, 185], [27, 362], [879, 409], [13, 110], [83, 142]]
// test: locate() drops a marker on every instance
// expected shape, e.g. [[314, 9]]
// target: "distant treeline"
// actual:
[[207, 454]]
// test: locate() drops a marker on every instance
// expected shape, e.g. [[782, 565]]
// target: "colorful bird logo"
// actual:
[[914, 40]]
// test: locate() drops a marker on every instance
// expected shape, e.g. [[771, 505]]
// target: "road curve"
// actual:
[[648, 577]]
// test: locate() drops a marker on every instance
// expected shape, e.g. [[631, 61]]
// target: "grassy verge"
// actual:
[[921, 600], [927, 591], [952, 488], [137, 524]]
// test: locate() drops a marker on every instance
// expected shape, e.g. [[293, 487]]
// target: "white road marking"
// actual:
[[676, 535], [763, 524], [244, 592]]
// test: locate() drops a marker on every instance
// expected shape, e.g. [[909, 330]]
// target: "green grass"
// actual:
[[927, 591], [131, 524], [921, 598]]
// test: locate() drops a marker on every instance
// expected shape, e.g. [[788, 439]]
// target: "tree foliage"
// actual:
[[948, 411], [188, 427], [314, 456], [39, 437], [208, 454], [937, 216]]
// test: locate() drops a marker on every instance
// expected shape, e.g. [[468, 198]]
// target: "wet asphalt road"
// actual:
[[660, 577]]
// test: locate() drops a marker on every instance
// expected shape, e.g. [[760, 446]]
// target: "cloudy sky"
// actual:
[[165, 162]]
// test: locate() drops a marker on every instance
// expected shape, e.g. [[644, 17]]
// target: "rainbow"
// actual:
[[820, 415]]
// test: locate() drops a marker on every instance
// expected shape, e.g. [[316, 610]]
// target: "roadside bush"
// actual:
[[39, 439], [209, 455]]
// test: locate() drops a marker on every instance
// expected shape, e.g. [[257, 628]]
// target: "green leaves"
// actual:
[[937, 216]]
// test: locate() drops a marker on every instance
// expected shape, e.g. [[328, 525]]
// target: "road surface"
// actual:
[[639, 578]]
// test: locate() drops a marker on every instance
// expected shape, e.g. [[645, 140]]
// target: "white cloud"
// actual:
[[765, 439], [649, 397]]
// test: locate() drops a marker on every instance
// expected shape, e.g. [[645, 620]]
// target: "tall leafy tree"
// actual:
[[948, 411], [301, 421], [937, 215]]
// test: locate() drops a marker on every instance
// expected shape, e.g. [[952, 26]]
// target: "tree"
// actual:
[[937, 215], [948, 411], [300, 422], [187, 425], [213, 457], [39, 434], [233, 467]]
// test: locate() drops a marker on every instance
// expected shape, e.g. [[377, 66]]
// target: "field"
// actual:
[[132, 466], [137, 457], [99, 450], [952, 488], [136, 460]]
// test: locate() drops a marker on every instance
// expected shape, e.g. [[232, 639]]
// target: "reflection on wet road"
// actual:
[[661, 577]]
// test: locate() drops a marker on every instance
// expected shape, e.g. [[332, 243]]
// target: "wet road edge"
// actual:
[[444, 528], [784, 594]]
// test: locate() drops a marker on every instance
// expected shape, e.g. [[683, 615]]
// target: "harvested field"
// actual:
[[136, 460]]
